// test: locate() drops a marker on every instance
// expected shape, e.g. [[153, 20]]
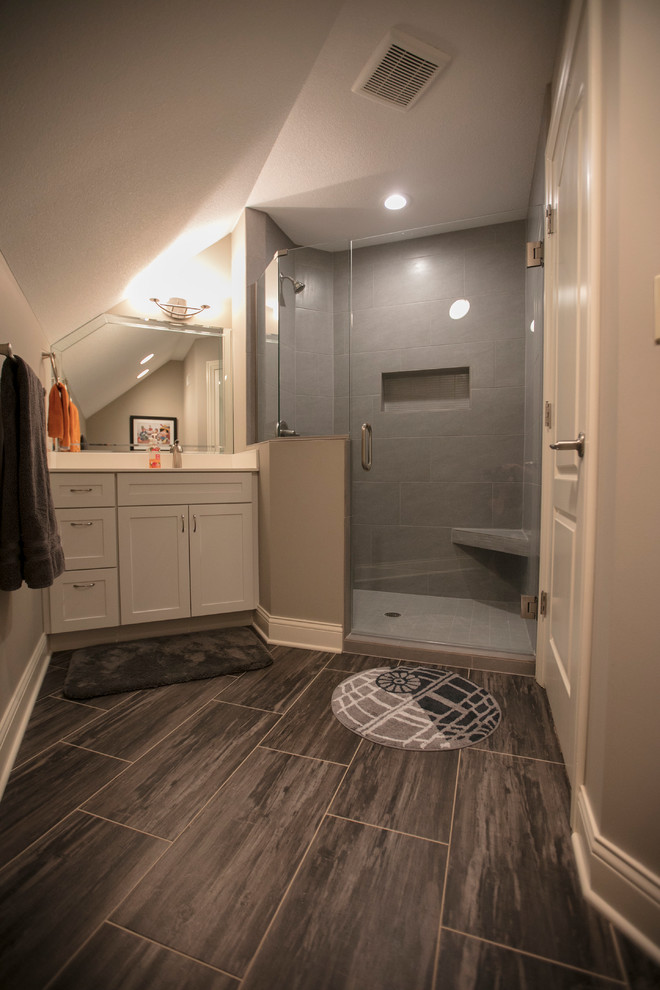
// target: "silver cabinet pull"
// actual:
[[81, 524], [194, 524], [78, 490], [570, 445], [367, 436], [92, 584], [183, 525]]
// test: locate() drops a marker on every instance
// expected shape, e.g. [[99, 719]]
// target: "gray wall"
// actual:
[[306, 343], [454, 467]]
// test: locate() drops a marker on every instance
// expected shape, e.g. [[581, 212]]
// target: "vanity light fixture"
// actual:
[[147, 358], [177, 308], [396, 201], [143, 373], [459, 308]]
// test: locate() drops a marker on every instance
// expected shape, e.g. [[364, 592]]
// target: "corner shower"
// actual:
[[360, 341]]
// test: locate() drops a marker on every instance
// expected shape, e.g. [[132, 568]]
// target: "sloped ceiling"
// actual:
[[128, 125]]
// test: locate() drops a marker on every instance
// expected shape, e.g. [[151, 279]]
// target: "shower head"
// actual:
[[297, 286]]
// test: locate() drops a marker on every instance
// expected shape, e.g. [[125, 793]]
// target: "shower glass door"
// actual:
[[440, 554]]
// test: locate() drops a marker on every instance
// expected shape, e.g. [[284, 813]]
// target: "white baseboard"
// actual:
[[15, 719], [303, 633], [623, 889]]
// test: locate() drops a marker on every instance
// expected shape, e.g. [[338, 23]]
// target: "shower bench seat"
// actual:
[[513, 541]]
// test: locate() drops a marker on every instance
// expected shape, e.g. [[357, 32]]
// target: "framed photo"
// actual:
[[149, 430]]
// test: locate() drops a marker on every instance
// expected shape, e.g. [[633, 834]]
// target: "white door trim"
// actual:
[[591, 9]]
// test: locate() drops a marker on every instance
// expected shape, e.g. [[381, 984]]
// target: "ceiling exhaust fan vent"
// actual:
[[400, 70]]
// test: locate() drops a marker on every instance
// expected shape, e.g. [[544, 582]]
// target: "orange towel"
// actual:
[[58, 414], [74, 429]]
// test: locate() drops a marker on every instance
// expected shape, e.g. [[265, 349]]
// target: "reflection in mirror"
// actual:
[[188, 378]]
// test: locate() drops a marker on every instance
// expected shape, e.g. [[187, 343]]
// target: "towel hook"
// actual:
[[7, 351]]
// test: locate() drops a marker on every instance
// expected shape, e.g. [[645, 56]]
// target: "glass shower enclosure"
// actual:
[[443, 412]]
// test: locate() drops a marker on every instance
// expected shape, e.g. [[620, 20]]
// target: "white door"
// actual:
[[153, 562], [567, 513], [221, 566]]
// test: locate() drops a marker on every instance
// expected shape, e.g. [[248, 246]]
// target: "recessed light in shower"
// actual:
[[459, 308], [396, 202]]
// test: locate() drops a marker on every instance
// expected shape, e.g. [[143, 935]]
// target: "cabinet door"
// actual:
[[221, 565], [153, 562]]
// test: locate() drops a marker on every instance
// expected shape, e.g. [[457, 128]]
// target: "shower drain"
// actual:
[[393, 615]]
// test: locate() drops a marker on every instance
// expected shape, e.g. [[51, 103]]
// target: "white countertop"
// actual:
[[86, 460]]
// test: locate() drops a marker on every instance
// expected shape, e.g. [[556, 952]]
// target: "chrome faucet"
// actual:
[[176, 450]]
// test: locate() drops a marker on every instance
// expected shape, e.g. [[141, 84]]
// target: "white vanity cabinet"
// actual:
[[187, 544], [86, 595]]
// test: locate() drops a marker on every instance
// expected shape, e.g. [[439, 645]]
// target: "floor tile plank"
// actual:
[[275, 688], [215, 891], [53, 682], [52, 719], [145, 718], [526, 728], [42, 792], [512, 877], [355, 663], [469, 964], [400, 789], [309, 728], [117, 960], [163, 791], [343, 925], [79, 872]]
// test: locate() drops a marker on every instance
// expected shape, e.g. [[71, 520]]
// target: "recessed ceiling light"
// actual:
[[147, 358], [396, 202], [143, 373], [532, 327], [459, 309]]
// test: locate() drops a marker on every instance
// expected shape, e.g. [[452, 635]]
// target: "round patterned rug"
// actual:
[[416, 708]]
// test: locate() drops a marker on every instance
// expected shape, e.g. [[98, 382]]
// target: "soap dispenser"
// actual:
[[177, 450]]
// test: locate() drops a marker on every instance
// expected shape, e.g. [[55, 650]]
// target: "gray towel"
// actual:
[[30, 548]]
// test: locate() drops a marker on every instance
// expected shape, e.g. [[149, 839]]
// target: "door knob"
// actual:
[[570, 445]]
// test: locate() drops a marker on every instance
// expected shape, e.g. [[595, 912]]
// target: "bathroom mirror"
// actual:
[[117, 367]]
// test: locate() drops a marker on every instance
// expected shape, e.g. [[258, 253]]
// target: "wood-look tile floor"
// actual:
[[231, 833]]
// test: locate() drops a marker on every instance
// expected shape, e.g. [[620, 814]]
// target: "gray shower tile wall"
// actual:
[[435, 470], [341, 323], [307, 344]]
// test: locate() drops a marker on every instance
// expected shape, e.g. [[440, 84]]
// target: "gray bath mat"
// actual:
[[149, 663], [415, 708]]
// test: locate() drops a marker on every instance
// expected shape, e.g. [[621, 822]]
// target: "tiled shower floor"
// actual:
[[442, 621]]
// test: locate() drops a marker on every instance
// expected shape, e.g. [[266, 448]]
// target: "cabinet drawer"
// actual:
[[89, 537], [71, 490], [160, 488], [84, 600]]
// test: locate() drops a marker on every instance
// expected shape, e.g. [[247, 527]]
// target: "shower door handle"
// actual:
[[367, 437]]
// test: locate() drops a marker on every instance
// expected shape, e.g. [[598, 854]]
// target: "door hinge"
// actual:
[[528, 606], [549, 220], [534, 254], [548, 415], [543, 603]]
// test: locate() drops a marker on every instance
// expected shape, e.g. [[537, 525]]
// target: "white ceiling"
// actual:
[[127, 125]]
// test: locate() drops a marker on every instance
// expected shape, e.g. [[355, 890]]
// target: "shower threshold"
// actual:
[[422, 623]]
